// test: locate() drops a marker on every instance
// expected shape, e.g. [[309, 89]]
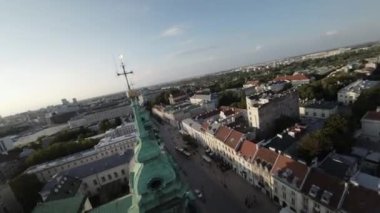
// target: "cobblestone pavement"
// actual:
[[223, 191]]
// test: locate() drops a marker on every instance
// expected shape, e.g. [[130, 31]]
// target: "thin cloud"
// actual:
[[258, 47], [194, 51], [172, 31], [331, 33]]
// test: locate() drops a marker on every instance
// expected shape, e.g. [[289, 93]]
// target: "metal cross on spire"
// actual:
[[125, 73]]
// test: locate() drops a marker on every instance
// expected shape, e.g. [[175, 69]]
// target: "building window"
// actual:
[[115, 174], [109, 177], [323, 115], [122, 172], [95, 182], [293, 201], [284, 195]]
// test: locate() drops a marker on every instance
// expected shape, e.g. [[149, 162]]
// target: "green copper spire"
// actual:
[[154, 181]]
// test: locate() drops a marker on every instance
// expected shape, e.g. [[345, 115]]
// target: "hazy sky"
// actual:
[[53, 49]]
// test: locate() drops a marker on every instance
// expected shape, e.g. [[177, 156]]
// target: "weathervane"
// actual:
[[125, 73]]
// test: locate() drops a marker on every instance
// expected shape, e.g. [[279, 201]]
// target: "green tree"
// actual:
[[118, 121], [26, 189], [227, 98], [59, 150], [105, 125]]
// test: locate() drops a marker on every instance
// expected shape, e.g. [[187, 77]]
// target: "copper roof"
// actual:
[[360, 199], [222, 133], [284, 164], [325, 182], [248, 149], [295, 77], [234, 138], [372, 115], [266, 155]]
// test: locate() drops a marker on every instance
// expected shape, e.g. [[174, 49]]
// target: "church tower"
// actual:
[[154, 181]]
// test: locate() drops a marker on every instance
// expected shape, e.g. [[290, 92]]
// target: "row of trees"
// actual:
[[336, 134], [230, 98], [105, 125], [326, 88], [72, 135], [59, 150]]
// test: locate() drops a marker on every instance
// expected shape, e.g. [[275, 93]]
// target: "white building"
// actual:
[[91, 178], [371, 125], [108, 170], [318, 109], [265, 108], [350, 93], [106, 147], [148, 95], [97, 117], [7, 144], [206, 99], [174, 114]]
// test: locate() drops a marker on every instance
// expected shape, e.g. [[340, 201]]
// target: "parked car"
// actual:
[[206, 158], [199, 194]]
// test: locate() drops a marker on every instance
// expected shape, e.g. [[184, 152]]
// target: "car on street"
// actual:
[[206, 158], [186, 153], [179, 149], [199, 194]]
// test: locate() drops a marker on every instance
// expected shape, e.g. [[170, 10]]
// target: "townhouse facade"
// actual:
[[288, 182]]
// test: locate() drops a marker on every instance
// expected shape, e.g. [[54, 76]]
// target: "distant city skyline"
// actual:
[[54, 49]]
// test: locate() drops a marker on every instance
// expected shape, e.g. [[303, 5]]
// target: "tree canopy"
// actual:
[[26, 188], [336, 134], [59, 150]]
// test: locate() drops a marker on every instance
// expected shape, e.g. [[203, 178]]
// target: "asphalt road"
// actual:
[[223, 192]]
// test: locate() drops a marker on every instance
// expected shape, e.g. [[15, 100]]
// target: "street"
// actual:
[[223, 192]]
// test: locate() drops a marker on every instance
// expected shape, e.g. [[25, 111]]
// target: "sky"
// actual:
[[54, 49]]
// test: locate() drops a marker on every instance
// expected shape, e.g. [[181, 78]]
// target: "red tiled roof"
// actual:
[[266, 155], [295, 77], [298, 169], [208, 114], [248, 149], [326, 182], [372, 115], [222, 133], [234, 138], [360, 199]]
